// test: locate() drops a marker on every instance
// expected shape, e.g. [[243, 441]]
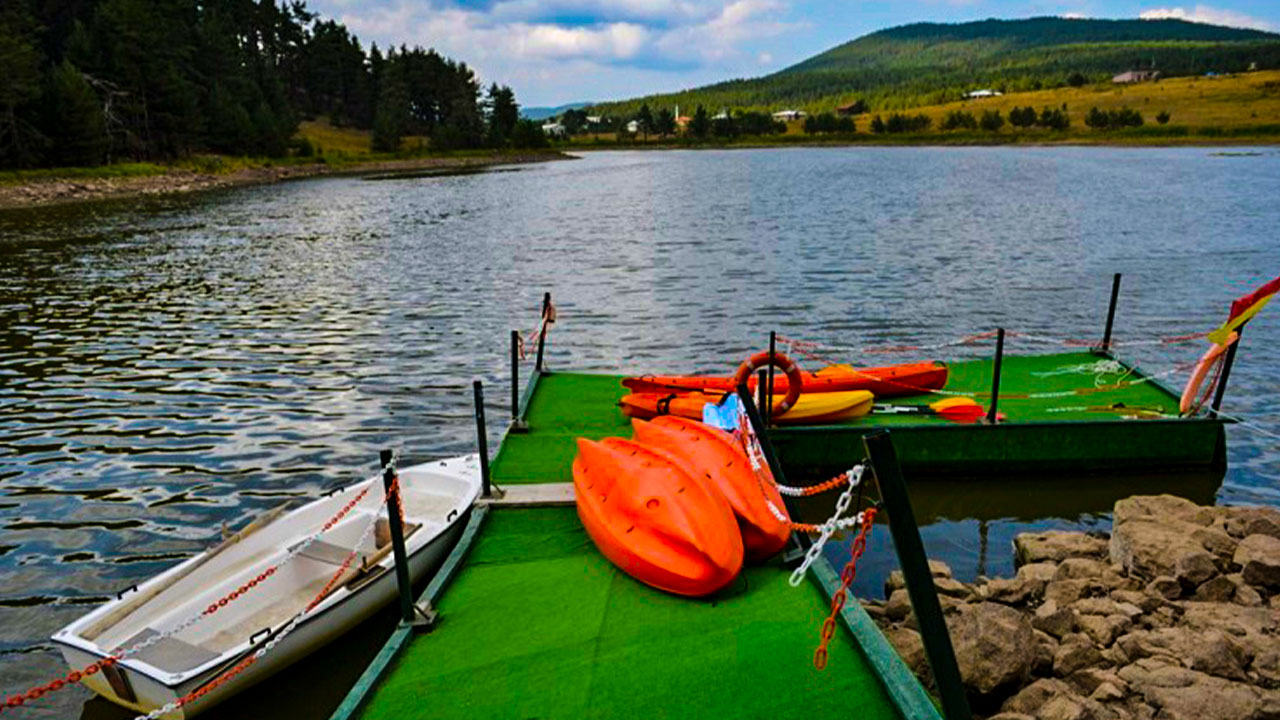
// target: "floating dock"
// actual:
[[536, 623]]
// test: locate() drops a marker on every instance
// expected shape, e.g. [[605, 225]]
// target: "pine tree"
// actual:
[[392, 117], [21, 142], [74, 118]]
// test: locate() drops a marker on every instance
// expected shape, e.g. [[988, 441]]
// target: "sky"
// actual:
[[553, 52]]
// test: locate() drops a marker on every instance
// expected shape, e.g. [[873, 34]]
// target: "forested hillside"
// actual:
[[83, 82], [930, 63]]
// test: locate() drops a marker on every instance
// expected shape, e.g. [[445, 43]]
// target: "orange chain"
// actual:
[[75, 676], [839, 596]]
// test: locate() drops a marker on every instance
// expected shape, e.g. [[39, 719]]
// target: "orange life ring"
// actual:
[[795, 381], [1192, 390]]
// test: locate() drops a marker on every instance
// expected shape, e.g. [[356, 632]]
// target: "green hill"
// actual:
[[931, 63]]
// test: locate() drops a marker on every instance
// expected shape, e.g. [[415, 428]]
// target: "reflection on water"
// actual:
[[170, 364]]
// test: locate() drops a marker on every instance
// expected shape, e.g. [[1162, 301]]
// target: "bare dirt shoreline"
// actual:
[[57, 191]]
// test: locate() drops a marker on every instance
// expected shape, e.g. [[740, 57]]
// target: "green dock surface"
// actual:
[[1057, 417], [539, 625]]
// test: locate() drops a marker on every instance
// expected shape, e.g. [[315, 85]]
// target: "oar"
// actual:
[[959, 409]]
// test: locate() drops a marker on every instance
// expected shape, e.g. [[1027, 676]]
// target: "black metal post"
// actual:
[[1111, 313], [773, 349], [542, 335], [397, 537], [762, 434], [515, 375], [915, 569], [1227, 362], [762, 395], [995, 376], [482, 438]]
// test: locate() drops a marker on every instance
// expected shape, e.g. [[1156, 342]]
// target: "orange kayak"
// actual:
[[887, 381], [653, 519], [713, 455]]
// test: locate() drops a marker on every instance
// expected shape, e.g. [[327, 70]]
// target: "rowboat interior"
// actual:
[[432, 500]]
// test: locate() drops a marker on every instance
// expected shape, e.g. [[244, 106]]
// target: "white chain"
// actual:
[[288, 628], [829, 528]]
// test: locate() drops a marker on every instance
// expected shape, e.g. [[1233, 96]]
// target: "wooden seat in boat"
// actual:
[[170, 654]]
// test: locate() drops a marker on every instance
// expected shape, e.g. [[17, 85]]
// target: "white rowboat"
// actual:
[[436, 497]]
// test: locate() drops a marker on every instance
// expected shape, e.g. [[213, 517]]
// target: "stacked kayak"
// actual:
[[886, 381], [678, 507], [812, 409]]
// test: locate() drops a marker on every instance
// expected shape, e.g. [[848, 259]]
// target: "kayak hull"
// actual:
[[652, 519], [886, 381], [714, 456], [815, 409]]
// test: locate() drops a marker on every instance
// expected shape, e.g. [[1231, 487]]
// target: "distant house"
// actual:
[[857, 107], [722, 115], [595, 119], [985, 93], [682, 121], [633, 126], [789, 115], [553, 129], [1135, 76]]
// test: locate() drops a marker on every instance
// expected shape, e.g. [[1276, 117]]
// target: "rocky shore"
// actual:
[[54, 191], [1175, 615]]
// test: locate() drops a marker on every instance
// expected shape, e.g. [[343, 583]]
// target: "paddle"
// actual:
[[957, 409]]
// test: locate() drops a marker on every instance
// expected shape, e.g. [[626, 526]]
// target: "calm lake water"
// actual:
[[172, 364]]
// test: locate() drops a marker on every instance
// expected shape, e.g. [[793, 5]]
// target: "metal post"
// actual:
[[482, 438], [995, 376], [1227, 362], [397, 538], [915, 569], [542, 335], [773, 349], [762, 434], [1111, 313], [762, 395], [515, 376]]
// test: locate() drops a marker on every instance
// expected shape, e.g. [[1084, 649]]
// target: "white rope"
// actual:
[[830, 527], [1245, 423]]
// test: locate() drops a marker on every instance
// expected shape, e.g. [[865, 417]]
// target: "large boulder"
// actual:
[[1182, 694], [1161, 507], [995, 647], [1056, 546], [1259, 558], [910, 648], [1147, 547]]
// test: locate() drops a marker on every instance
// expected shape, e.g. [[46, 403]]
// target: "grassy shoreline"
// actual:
[[56, 186]]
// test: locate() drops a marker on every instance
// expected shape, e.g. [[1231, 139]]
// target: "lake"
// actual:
[[174, 363]]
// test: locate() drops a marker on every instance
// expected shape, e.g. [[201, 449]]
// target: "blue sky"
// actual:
[[558, 51]]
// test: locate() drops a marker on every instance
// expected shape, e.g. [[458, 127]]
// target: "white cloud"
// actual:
[[553, 51], [1207, 14]]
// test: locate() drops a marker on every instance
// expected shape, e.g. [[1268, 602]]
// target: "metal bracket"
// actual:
[[424, 618], [518, 426]]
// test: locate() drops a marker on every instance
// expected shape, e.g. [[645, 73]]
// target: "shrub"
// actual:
[[991, 121]]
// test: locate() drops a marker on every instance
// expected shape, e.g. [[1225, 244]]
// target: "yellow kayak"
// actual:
[[812, 409]]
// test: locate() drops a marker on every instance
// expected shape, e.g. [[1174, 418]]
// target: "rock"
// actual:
[[1218, 589], [995, 646], [1165, 587], [1076, 568], [1066, 592], [1244, 593], [1054, 620], [1161, 507], [1012, 716], [1035, 576], [1056, 546], [1106, 692], [1259, 558], [899, 605], [1253, 629], [897, 581], [1010, 591], [910, 648], [1087, 680], [1034, 696], [952, 587], [1096, 606], [1102, 629], [1238, 520], [1216, 541], [1267, 666], [1148, 548], [1075, 653], [1197, 696], [1115, 655], [1064, 707], [875, 610], [1193, 568], [1046, 646], [1264, 525], [1214, 654], [1144, 602]]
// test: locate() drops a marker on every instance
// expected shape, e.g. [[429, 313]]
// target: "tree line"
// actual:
[[94, 81]]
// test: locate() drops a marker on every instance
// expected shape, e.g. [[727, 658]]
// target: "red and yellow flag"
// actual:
[[1243, 309]]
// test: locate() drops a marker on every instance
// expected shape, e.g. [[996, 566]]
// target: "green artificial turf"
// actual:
[[566, 406], [540, 625]]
